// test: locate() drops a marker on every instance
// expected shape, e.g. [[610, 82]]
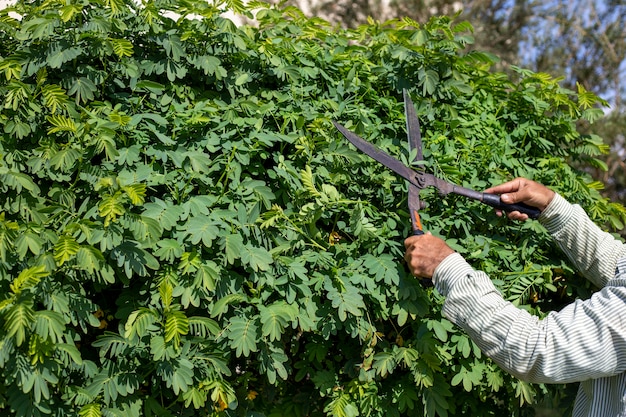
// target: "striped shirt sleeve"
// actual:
[[592, 251], [586, 339]]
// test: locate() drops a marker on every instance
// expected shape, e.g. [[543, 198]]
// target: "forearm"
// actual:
[[593, 251], [572, 345]]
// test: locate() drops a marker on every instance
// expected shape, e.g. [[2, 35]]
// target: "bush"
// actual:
[[183, 232]]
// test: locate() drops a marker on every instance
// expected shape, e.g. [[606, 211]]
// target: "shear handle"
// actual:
[[416, 222], [494, 200]]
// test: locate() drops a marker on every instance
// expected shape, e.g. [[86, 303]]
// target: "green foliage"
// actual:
[[182, 231]]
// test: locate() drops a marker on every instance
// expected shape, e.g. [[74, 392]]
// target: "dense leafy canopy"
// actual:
[[182, 232]]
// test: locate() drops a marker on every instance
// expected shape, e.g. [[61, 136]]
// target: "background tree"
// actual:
[[585, 41]]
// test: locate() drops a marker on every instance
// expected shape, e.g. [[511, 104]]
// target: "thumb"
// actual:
[[515, 196], [508, 198]]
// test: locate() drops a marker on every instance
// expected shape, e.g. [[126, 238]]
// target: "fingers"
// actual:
[[519, 190], [522, 190], [516, 215], [507, 187]]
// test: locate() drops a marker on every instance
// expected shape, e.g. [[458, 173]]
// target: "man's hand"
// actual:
[[521, 190], [424, 253]]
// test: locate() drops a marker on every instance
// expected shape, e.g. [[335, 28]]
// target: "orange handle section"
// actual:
[[417, 223]]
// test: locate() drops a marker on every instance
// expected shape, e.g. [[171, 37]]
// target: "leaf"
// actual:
[[65, 249], [222, 394], [525, 392], [173, 47], [105, 143], [113, 385], [18, 320], [275, 317], [90, 410], [151, 86], [176, 325], [11, 68], [19, 181], [61, 123], [175, 70], [134, 259], [271, 216], [41, 27], [468, 378], [196, 396], [495, 380], [38, 382], [361, 225], [65, 159], [166, 214], [242, 79], [139, 323], [113, 344], [384, 363], [406, 355], [49, 325], [136, 193], [203, 327], [28, 278], [169, 250], [441, 328], [234, 247], [55, 97], [346, 301], [61, 52], [273, 362], [408, 397], [221, 306], [177, 375], [90, 259], [309, 182], [116, 6], [383, 268], [72, 352], [111, 207], [199, 205], [120, 118], [207, 275], [202, 229], [69, 11], [243, 335], [429, 81], [342, 406], [259, 259], [166, 291], [211, 65], [122, 47], [200, 162], [436, 398]]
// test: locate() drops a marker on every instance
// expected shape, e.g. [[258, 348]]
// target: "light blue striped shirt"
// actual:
[[584, 342]]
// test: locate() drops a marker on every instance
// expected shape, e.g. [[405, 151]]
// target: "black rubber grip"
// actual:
[[494, 201]]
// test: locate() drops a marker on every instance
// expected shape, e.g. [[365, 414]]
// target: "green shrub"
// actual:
[[183, 232]]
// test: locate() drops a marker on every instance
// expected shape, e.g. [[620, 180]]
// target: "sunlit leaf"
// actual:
[[176, 325]]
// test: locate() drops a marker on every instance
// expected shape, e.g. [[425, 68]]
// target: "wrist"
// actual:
[[452, 268]]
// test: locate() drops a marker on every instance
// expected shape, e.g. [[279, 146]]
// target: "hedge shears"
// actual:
[[419, 179]]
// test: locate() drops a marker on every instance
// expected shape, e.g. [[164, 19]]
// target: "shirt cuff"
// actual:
[[453, 268], [556, 214]]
